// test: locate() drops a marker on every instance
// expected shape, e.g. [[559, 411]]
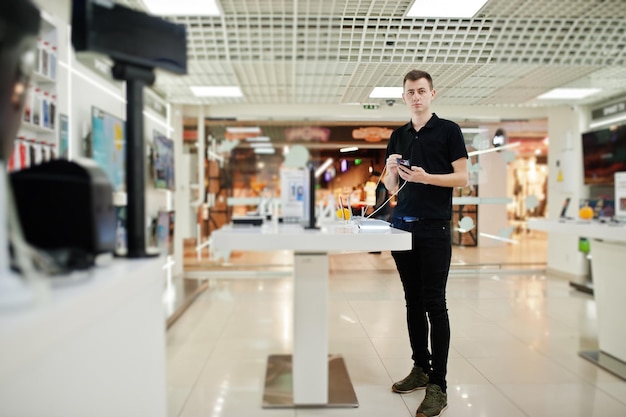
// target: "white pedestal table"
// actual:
[[318, 380]]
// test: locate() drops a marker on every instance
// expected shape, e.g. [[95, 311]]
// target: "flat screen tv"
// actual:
[[108, 135], [604, 154]]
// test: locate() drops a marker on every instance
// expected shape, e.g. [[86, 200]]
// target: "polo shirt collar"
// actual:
[[430, 123]]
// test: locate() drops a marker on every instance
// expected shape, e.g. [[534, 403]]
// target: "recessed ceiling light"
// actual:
[[243, 129], [216, 91], [568, 93], [386, 92], [349, 149], [182, 7], [473, 130], [267, 151], [445, 8]]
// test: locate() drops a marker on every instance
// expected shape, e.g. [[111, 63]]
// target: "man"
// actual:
[[436, 163]]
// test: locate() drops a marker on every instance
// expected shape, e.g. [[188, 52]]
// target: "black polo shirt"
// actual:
[[434, 148]]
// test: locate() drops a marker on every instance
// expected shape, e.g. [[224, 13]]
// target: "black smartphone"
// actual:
[[404, 162], [564, 208]]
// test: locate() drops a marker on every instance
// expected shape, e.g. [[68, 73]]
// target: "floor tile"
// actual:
[[472, 400], [563, 400], [374, 401], [527, 369], [515, 338]]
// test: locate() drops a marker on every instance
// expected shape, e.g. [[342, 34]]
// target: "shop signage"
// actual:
[[609, 110]]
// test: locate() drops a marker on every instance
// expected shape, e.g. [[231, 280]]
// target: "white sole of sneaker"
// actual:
[[406, 392], [438, 415]]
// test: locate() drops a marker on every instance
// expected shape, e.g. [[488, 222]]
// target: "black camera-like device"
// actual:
[[66, 205], [128, 35]]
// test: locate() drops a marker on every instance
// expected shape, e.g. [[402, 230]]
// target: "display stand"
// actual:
[[608, 245], [309, 377], [136, 79], [311, 199], [96, 349], [36, 140], [607, 264]]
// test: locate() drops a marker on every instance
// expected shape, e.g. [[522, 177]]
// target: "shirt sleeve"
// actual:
[[457, 144]]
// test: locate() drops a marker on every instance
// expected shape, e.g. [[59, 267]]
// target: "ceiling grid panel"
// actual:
[[328, 51]]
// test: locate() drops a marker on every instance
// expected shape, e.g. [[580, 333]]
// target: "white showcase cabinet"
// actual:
[[608, 263], [94, 348]]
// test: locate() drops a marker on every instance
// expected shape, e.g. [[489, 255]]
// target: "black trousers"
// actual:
[[424, 273]]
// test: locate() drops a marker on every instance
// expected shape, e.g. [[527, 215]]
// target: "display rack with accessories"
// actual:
[[30, 152], [40, 107]]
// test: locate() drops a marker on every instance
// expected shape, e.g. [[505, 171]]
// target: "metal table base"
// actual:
[[278, 391], [606, 362]]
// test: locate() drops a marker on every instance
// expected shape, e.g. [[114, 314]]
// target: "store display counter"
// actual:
[[608, 263], [318, 380], [93, 348]]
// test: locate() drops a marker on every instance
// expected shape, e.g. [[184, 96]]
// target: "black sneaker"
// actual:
[[417, 379], [435, 402]]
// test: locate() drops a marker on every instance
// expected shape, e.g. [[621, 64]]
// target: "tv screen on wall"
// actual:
[[163, 161], [109, 146], [604, 154]]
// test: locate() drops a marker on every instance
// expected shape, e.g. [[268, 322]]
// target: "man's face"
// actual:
[[417, 95]]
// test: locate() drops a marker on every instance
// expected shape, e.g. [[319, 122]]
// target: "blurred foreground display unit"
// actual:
[[96, 349], [66, 205], [128, 35]]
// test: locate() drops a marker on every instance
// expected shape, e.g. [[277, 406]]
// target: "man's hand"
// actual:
[[414, 174], [392, 163]]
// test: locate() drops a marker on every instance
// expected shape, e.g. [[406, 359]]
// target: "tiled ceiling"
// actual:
[[331, 52]]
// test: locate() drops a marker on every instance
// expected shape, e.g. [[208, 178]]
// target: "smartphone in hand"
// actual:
[[404, 162]]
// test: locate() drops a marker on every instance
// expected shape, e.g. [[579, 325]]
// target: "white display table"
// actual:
[[95, 348], [608, 265], [318, 380]]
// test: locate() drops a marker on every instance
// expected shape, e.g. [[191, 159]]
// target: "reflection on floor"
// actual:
[[180, 295], [514, 352]]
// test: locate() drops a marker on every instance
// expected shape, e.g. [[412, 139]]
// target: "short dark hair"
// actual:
[[415, 75], [375, 174]]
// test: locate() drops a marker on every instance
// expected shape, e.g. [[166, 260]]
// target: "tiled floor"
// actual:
[[514, 353]]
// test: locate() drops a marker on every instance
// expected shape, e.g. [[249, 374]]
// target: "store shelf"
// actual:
[[42, 79], [29, 127]]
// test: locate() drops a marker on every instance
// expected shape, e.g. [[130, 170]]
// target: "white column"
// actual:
[[565, 125]]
